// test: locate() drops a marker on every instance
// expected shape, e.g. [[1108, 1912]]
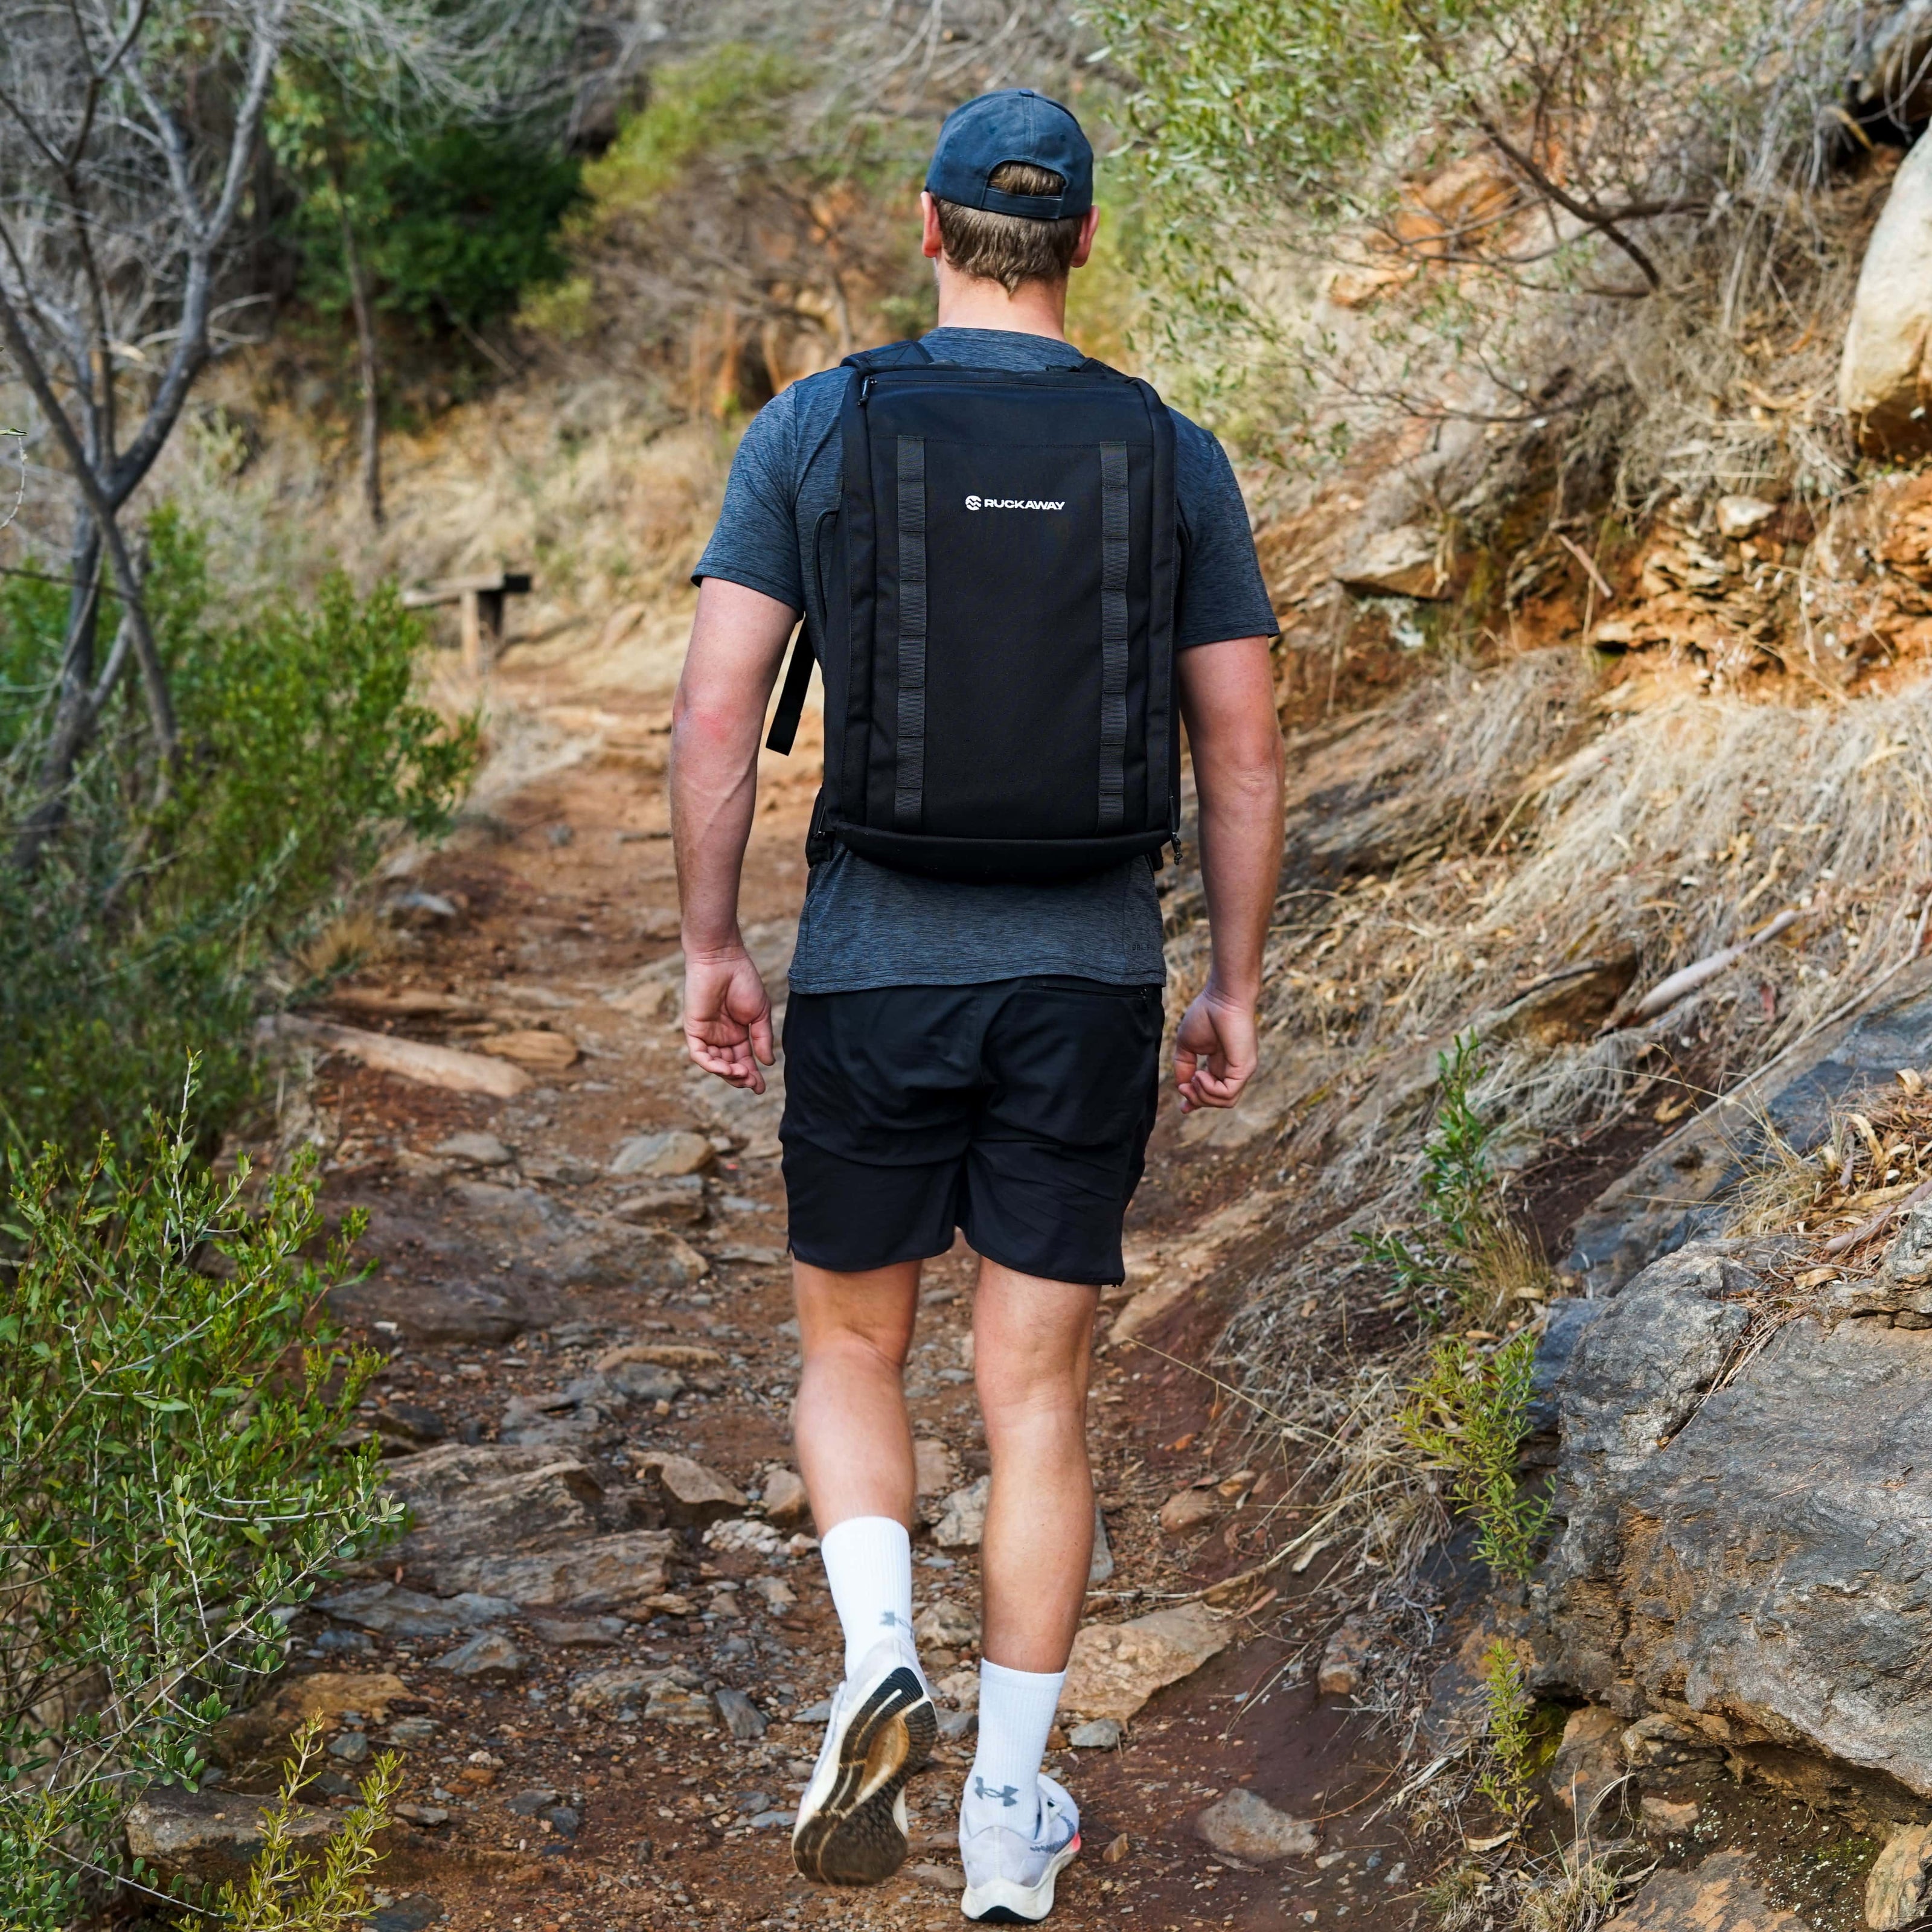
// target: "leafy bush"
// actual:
[[142, 936], [1470, 1259], [1467, 1418], [171, 1481], [287, 1892], [455, 223]]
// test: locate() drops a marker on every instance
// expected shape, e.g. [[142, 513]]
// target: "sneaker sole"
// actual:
[[856, 1836], [1000, 1902]]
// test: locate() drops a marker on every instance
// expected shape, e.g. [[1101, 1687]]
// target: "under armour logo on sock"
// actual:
[[1009, 1795], [893, 1620]]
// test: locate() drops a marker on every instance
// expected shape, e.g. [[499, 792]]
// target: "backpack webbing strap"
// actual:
[[1114, 527], [909, 784], [791, 699]]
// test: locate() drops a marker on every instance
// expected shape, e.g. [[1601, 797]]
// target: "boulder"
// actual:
[[1115, 1668], [963, 1519], [663, 1156], [430, 1311], [1405, 561], [786, 1503], [935, 1468], [261, 1731], [694, 1496], [602, 1574], [212, 1837], [1191, 1509], [676, 1202], [1898, 1891], [1720, 1895], [1676, 1193], [1589, 1765], [472, 1149], [1249, 1827], [949, 1624], [490, 1498], [1884, 375], [1340, 1673], [488, 1653], [392, 1611], [1741, 517], [1745, 1557]]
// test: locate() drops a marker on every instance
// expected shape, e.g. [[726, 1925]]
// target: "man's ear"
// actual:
[[930, 246], [1089, 227]]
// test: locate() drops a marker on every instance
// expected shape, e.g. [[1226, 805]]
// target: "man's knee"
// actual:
[[865, 1319]]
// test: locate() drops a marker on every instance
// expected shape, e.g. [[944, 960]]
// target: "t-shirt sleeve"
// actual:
[[1221, 593], [756, 541]]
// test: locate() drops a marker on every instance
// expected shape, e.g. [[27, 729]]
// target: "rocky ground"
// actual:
[[600, 1650]]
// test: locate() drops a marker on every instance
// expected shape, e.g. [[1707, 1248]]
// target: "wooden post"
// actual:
[[472, 621]]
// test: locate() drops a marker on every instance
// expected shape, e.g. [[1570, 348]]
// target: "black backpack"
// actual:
[[997, 591]]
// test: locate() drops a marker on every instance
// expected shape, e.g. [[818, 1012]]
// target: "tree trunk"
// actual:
[[365, 357], [73, 710]]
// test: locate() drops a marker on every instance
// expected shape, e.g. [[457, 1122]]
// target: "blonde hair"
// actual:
[[1010, 249]]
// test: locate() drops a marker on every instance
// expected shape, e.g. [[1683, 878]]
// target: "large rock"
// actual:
[[606, 1573], [572, 1250], [1405, 561], [1678, 1191], [1898, 1892], [1748, 1559], [1115, 1668], [1245, 1826], [392, 1611], [1884, 377], [213, 1837], [261, 1731], [430, 1311], [491, 1498], [694, 1495], [1720, 1895]]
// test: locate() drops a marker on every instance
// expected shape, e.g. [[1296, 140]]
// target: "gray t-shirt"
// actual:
[[866, 925]]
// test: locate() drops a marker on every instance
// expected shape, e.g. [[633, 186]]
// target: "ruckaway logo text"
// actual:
[[1013, 503]]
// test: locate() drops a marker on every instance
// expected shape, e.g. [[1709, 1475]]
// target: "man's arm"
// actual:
[[717, 719], [1227, 699]]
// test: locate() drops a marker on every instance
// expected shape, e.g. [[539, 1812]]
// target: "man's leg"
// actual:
[[855, 1448], [855, 1442], [1033, 1342]]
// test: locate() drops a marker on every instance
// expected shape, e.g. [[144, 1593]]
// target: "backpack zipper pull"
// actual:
[[865, 389]]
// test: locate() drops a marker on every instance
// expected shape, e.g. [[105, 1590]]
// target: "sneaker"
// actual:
[[1010, 1875], [851, 1828]]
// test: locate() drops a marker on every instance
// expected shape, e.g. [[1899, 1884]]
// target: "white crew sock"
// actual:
[[1016, 1709], [868, 1564]]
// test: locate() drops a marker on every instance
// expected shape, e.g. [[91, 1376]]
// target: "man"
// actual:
[[976, 1055]]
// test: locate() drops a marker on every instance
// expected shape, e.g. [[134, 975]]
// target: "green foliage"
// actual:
[[289, 1892], [1467, 1418], [1469, 1254], [171, 1481], [732, 99], [142, 936], [1504, 1781], [453, 222]]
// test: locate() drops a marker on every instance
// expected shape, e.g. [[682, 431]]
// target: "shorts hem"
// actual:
[[1073, 1280], [918, 1253]]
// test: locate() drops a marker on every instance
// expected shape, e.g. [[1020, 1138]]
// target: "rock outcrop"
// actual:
[[1741, 1546], [1885, 379], [1676, 1193]]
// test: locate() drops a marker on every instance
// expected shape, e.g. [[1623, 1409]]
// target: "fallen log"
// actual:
[[1667, 992], [445, 1066]]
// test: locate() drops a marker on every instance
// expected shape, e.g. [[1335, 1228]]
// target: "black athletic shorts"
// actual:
[[1017, 1112]]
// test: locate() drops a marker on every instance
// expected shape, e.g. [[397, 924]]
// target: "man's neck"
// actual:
[[971, 301]]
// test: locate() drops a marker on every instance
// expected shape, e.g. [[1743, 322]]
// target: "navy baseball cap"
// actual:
[[1015, 124]]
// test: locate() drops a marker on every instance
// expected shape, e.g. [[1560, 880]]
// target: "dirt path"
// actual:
[[584, 1777]]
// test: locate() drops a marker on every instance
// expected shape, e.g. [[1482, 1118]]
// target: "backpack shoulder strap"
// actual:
[[791, 699], [892, 356]]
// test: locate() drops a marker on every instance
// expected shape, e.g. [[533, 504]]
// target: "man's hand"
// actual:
[[727, 1018], [1215, 1050]]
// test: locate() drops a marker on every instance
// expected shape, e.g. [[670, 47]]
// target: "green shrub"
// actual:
[[143, 935], [1467, 1418], [172, 1481], [289, 1892]]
